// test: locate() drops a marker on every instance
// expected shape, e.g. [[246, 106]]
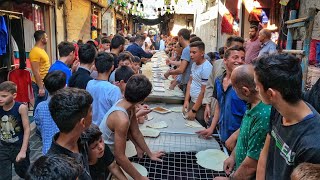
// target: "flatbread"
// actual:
[[158, 125], [211, 159], [159, 89], [161, 110], [158, 84], [130, 149], [193, 124], [142, 170], [149, 132], [176, 109]]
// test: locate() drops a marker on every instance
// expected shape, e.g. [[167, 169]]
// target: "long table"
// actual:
[[154, 70]]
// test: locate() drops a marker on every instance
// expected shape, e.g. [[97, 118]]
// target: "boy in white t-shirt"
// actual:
[[200, 72]]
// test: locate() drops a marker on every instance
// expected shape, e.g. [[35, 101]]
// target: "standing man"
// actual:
[[67, 54], [252, 45], [186, 63], [200, 71], [253, 130], [217, 70], [40, 65], [229, 108], [116, 47], [294, 135], [268, 46]]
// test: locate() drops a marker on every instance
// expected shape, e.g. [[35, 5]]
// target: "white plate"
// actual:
[[160, 110], [159, 89]]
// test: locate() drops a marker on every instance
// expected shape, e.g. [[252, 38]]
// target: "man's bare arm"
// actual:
[[262, 163]]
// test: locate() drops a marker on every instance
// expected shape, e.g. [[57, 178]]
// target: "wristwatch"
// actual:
[[194, 111]]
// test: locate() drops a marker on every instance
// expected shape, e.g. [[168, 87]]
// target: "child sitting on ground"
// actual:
[[120, 122], [14, 134], [101, 159]]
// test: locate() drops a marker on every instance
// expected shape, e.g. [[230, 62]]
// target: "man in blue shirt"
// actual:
[[230, 108], [67, 54], [104, 94], [136, 48], [53, 82]]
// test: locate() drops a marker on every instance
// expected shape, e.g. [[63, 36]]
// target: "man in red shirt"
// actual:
[[252, 45]]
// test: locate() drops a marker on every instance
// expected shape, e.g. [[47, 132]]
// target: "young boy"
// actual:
[[125, 59], [54, 167], [71, 110], [122, 76], [104, 94], [200, 71], [53, 81], [14, 134], [294, 135], [101, 159], [136, 65], [121, 122]]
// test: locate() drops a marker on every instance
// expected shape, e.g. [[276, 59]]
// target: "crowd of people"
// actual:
[[91, 101]]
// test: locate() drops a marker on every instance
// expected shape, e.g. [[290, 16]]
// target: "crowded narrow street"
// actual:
[[159, 89]]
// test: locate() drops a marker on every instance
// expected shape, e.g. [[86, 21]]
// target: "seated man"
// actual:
[[253, 129], [121, 122], [101, 159]]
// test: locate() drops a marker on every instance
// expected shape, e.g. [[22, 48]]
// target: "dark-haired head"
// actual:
[[194, 39], [233, 41], [137, 89], [199, 44], [92, 134], [38, 35], [123, 73], [117, 41], [104, 62], [280, 72], [87, 53], [54, 167], [65, 48], [54, 81], [8, 86], [184, 33], [69, 106]]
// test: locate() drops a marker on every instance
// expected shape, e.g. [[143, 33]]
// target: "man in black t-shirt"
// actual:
[[101, 159], [294, 136]]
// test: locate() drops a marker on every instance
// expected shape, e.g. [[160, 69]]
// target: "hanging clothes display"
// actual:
[[28, 34], [227, 23], [3, 36]]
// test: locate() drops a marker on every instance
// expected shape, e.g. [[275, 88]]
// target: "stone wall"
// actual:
[[303, 12], [78, 20]]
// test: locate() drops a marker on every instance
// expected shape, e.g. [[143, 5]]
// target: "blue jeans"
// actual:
[[37, 98], [8, 154]]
